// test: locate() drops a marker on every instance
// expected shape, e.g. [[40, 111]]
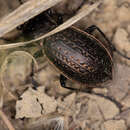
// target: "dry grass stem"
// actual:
[[25, 12], [86, 10], [4, 66], [6, 121]]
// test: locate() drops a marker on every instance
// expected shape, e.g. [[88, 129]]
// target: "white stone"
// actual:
[[35, 103]]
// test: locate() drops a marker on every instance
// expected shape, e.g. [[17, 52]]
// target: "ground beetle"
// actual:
[[78, 54]]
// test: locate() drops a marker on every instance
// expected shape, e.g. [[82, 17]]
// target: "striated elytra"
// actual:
[[80, 56]]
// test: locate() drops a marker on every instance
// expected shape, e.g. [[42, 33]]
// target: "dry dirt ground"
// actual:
[[51, 107]]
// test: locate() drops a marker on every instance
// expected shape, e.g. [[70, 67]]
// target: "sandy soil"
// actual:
[[52, 107]]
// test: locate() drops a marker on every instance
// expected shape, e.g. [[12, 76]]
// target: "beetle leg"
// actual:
[[33, 81], [63, 82], [90, 31]]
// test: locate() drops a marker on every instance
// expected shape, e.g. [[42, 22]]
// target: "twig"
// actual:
[[6, 121], [4, 66], [25, 12], [86, 10]]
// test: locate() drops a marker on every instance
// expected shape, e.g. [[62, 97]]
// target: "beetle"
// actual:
[[80, 55]]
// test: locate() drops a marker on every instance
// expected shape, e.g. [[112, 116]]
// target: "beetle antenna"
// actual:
[[118, 52]]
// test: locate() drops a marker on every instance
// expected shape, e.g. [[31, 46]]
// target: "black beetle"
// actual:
[[78, 54]]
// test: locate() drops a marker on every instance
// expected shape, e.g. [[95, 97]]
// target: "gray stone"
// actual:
[[124, 115], [126, 100], [94, 109], [114, 125], [120, 86], [122, 43], [94, 112], [106, 107]]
